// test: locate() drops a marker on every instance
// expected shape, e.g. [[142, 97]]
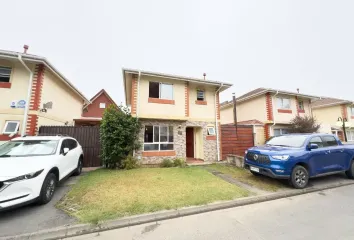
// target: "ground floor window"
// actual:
[[11, 127], [350, 135], [280, 131], [158, 138], [211, 130]]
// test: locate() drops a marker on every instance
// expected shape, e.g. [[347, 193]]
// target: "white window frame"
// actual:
[[211, 131], [9, 75], [280, 130], [282, 103], [159, 142], [202, 91], [102, 105], [7, 123], [162, 83]]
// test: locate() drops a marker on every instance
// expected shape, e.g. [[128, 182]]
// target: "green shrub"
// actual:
[[179, 162], [166, 163], [130, 163]]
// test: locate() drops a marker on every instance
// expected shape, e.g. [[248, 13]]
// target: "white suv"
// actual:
[[31, 167]]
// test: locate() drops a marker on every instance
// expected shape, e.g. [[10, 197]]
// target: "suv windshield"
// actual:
[[25, 148], [288, 141]]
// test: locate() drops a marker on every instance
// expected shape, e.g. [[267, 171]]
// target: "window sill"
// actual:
[[198, 102], [161, 101], [167, 153], [5, 85], [211, 137], [301, 111], [285, 111]]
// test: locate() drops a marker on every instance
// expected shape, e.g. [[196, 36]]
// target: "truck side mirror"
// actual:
[[313, 146]]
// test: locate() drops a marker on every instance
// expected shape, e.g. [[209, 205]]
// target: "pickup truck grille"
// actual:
[[258, 158]]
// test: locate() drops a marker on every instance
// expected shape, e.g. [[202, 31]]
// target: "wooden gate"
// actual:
[[236, 144], [88, 137]]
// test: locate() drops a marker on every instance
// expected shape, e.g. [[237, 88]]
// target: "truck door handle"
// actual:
[[327, 152], [342, 150]]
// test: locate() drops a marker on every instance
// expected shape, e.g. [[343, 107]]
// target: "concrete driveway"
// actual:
[[33, 217]]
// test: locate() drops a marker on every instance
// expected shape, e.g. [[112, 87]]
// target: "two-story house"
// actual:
[[180, 116], [330, 112], [274, 108], [92, 113], [34, 93]]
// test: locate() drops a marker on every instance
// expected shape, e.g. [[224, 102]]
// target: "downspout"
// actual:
[[217, 125], [29, 91], [137, 97], [273, 110]]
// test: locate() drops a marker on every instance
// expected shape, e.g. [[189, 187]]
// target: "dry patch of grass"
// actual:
[[242, 175], [106, 194]]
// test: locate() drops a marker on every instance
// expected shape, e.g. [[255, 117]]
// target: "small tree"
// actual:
[[306, 124], [119, 135]]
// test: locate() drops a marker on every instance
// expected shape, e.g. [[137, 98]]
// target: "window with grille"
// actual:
[[5, 74]]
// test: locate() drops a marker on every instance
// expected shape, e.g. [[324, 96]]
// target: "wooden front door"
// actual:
[[190, 142]]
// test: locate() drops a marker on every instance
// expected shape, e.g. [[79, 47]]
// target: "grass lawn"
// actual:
[[106, 194], [242, 175]]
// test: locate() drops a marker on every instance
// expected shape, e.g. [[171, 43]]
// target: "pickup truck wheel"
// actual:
[[48, 188], [299, 177], [350, 171], [79, 168]]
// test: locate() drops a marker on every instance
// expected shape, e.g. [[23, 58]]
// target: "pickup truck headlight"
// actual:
[[25, 177], [246, 152], [281, 157]]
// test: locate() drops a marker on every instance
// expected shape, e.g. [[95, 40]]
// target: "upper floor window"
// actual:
[[351, 111], [161, 90], [200, 95], [283, 103], [301, 105], [5, 74], [102, 105]]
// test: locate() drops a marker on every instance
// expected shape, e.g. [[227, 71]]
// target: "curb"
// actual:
[[81, 229]]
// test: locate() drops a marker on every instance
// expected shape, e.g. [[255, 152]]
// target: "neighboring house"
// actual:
[[327, 112], [274, 108], [93, 112], [53, 100], [180, 116]]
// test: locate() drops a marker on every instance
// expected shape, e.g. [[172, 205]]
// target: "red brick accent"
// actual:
[[266, 132], [5, 137], [94, 110], [218, 105], [201, 102], [285, 111], [5, 85], [37, 86], [301, 111], [269, 107], [344, 111], [213, 137], [32, 124], [161, 101], [134, 95], [159, 154], [186, 99]]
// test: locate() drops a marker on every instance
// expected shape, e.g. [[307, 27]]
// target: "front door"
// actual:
[[190, 142]]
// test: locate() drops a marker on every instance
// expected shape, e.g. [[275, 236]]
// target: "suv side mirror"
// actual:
[[313, 146], [65, 151]]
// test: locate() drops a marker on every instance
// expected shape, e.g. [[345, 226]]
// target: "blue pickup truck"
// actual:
[[298, 157]]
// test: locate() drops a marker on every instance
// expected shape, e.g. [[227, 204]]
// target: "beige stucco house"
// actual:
[[180, 116], [269, 110], [329, 112], [50, 100]]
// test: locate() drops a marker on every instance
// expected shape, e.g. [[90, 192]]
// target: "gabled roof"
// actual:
[[260, 91], [100, 93], [327, 102], [45, 62]]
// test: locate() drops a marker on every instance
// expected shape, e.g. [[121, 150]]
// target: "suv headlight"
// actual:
[[25, 177], [281, 157], [246, 152]]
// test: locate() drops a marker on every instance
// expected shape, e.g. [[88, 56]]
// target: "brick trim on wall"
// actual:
[[198, 102], [134, 93], [6, 137], [37, 87], [269, 107], [344, 111], [211, 137], [186, 99], [32, 124], [266, 131], [161, 101], [285, 111], [5, 85], [159, 154]]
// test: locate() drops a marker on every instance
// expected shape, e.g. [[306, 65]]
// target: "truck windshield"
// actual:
[[288, 141], [27, 148]]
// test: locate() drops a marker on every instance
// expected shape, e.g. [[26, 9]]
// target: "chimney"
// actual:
[[25, 48], [204, 74], [298, 90]]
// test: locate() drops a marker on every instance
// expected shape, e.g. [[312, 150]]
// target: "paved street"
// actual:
[[33, 217], [322, 215]]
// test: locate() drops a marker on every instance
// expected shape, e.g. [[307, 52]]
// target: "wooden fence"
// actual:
[[233, 143], [88, 137]]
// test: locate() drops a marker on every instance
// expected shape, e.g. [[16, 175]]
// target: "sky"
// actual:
[[283, 44]]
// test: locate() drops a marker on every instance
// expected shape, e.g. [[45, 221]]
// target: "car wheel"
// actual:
[[350, 171], [255, 174], [299, 177], [48, 188], [79, 168]]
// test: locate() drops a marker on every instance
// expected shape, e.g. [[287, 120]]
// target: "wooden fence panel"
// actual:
[[233, 143], [87, 136]]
